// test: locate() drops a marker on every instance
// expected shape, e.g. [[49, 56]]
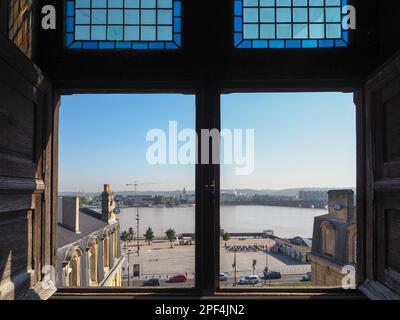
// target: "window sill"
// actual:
[[192, 294]]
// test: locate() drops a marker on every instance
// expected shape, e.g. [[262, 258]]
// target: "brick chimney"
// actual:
[[70, 213], [107, 204]]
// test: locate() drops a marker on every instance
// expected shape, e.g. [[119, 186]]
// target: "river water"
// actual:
[[285, 222]]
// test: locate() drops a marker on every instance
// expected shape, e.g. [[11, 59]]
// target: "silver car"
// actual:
[[223, 277], [253, 279]]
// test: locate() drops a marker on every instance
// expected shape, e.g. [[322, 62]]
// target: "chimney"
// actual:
[[107, 204], [70, 213], [341, 204]]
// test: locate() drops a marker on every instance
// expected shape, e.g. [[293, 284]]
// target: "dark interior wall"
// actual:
[[27, 173], [208, 56], [389, 28], [3, 16], [20, 29]]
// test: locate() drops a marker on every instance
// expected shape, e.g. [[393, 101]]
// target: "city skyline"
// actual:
[[103, 140]]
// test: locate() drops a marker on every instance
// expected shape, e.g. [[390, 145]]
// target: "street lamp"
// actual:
[[129, 254], [266, 264], [137, 232], [234, 265]]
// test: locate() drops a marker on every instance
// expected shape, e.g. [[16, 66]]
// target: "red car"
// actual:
[[178, 278]]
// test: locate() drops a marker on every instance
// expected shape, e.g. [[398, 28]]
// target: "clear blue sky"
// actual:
[[301, 140]]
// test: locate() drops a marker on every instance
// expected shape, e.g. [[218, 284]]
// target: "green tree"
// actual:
[[171, 235], [124, 236], [149, 235], [226, 237]]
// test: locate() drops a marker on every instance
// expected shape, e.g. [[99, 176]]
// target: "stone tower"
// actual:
[[108, 204]]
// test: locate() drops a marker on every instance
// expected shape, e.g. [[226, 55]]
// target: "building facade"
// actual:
[[334, 240], [89, 253], [296, 248]]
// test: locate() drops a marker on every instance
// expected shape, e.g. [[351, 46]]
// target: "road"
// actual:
[[229, 283]]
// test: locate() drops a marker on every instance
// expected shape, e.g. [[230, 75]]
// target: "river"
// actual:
[[285, 222]]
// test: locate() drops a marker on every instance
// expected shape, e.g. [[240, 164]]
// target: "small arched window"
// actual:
[[92, 251], [352, 244], [106, 253], [328, 239], [72, 267], [115, 244]]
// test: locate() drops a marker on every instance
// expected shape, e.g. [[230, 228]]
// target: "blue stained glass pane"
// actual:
[[277, 44], [164, 33], [310, 44], [164, 16], [251, 3], [70, 9], [238, 38], [82, 3], [267, 15], [238, 24], [245, 44], [283, 3], [267, 31], [115, 3], [115, 16], [99, 16], [115, 33], [132, 17], [99, 32], [132, 4], [123, 24], [148, 17], [293, 44], [283, 15], [82, 32], [250, 31], [148, 3], [82, 16], [69, 25], [177, 25], [289, 24], [99, 3], [300, 15], [260, 44], [106, 45], [167, 4]]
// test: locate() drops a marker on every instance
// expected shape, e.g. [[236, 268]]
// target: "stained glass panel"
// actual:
[[289, 24], [123, 24]]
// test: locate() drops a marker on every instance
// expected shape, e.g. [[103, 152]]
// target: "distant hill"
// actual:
[[292, 192]]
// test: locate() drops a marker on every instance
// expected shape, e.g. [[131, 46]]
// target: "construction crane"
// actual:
[[136, 184]]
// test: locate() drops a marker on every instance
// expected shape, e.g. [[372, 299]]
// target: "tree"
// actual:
[[124, 236], [226, 237], [149, 235], [171, 235]]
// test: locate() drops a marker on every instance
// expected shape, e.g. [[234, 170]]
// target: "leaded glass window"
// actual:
[[123, 24], [289, 24]]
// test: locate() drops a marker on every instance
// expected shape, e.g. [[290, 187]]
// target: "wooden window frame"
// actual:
[[208, 116]]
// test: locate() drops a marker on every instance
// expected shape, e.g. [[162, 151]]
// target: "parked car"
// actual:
[[223, 277], [253, 279], [151, 283], [306, 277], [272, 275], [178, 278]]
